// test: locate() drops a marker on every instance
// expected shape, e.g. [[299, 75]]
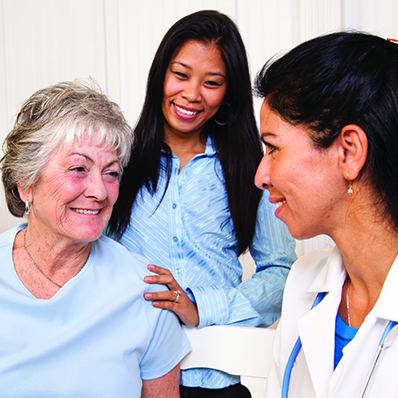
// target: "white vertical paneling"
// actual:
[[46, 41], [51, 40], [112, 49], [267, 28], [318, 17], [378, 17], [4, 124]]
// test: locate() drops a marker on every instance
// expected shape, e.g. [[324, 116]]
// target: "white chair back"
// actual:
[[243, 351]]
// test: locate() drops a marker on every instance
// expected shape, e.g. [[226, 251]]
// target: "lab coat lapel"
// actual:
[[386, 306], [317, 327]]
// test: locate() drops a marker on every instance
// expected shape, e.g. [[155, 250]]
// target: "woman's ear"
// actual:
[[353, 150], [25, 195]]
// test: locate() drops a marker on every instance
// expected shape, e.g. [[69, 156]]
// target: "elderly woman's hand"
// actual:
[[175, 299]]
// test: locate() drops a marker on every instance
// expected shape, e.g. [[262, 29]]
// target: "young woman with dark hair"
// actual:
[[329, 121], [187, 198]]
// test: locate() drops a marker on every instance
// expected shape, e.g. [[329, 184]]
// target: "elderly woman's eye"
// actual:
[[79, 169], [112, 175]]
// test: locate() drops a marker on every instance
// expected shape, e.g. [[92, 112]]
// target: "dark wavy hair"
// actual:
[[238, 145], [338, 79]]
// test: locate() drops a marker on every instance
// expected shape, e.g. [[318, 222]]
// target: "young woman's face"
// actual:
[[304, 182], [194, 88]]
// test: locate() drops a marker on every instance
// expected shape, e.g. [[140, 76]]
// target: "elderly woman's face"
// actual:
[[74, 196]]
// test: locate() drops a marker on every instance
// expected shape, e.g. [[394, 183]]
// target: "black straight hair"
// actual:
[[237, 142], [339, 79]]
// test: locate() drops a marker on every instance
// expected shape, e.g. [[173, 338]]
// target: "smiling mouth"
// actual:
[[83, 211], [186, 111], [279, 204]]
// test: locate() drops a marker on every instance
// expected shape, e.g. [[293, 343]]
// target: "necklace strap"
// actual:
[[39, 269], [348, 303]]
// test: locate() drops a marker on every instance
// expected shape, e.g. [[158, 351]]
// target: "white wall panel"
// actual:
[[379, 17], [267, 28], [318, 17], [46, 41]]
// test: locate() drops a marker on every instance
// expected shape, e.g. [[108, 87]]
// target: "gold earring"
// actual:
[[350, 189]]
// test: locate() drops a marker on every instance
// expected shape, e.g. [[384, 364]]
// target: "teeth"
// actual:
[[185, 112], [86, 211], [279, 204]]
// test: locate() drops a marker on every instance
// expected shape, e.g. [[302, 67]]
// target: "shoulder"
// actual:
[[108, 251], [307, 267], [104, 243], [305, 271], [310, 262], [9, 236], [118, 260]]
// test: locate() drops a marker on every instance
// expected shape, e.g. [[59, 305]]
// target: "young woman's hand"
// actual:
[[175, 299]]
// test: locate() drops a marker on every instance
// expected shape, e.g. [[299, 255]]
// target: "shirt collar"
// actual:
[[386, 306], [210, 147], [333, 273]]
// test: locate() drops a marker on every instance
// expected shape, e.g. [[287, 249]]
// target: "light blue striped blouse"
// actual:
[[191, 233]]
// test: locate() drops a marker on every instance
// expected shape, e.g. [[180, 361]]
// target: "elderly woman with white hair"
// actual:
[[74, 322]]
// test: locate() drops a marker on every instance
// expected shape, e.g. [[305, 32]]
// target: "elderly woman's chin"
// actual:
[[86, 227]]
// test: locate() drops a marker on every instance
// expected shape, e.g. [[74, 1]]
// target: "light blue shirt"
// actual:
[[192, 234], [96, 337]]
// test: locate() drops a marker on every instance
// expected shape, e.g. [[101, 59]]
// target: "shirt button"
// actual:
[[178, 270], [174, 205], [175, 239]]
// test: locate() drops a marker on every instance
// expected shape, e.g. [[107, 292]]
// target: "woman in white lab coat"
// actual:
[[329, 121]]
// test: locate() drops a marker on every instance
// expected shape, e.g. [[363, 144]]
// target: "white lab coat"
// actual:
[[313, 374]]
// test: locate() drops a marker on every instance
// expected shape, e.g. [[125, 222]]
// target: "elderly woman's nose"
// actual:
[[262, 179], [96, 187]]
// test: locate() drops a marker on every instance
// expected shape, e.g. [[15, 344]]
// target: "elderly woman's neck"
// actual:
[[44, 264]]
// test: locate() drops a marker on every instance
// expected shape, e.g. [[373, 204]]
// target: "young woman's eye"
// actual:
[[212, 83], [180, 75]]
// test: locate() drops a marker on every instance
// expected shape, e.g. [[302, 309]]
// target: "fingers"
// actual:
[[173, 296], [185, 309], [174, 299], [178, 295], [158, 270], [164, 277]]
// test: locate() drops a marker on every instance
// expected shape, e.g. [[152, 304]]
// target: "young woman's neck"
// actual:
[[185, 146]]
